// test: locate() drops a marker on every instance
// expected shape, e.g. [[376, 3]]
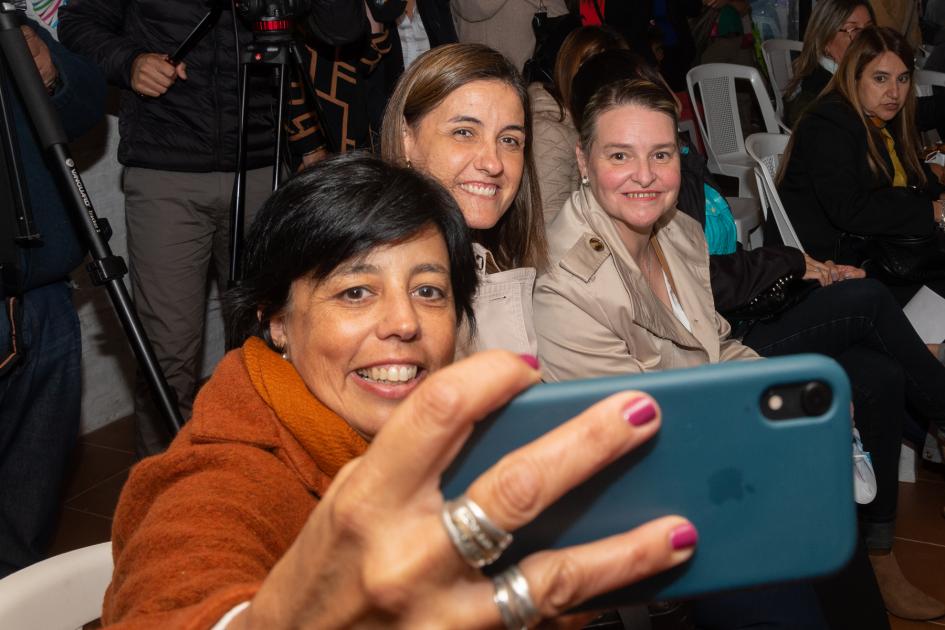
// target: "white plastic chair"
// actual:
[[924, 81], [779, 57], [61, 593], [719, 122], [766, 150]]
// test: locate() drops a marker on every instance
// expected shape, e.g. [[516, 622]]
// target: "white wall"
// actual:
[[108, 365]]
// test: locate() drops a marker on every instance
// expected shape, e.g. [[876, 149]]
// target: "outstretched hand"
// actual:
[[375, 550]]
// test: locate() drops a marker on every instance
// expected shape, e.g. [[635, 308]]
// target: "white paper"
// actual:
[[926, 311]]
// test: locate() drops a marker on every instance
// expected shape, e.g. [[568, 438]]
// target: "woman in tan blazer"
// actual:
[[628, 285], [628, 288]]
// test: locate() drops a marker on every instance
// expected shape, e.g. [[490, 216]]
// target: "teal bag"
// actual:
[[720, 232]]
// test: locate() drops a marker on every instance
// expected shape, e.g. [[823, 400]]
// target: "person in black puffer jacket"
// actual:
[[179, 128]]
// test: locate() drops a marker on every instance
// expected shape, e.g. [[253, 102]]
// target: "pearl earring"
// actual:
[[584, 180]]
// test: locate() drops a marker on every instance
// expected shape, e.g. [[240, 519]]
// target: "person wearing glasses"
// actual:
[[833, 26]]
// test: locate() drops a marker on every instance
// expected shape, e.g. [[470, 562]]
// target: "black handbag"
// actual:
[[904, 259], [784, 293]]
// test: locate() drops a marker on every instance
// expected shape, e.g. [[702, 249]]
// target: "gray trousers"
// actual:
[[178, 234]]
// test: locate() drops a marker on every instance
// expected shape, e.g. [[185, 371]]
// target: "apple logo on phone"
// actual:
[[728, 484]]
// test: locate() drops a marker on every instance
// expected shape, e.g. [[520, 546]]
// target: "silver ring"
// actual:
[[514, 600], [478, 540]]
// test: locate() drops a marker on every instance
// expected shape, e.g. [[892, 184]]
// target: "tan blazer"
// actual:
[[503, 308], [595, 314]]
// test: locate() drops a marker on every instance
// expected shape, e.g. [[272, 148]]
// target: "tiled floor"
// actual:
[[105, 456], [100, 467], [920, 538]]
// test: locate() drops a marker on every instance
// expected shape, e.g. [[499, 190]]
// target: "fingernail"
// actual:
[[639, 412], [683, 537], [531, 360]]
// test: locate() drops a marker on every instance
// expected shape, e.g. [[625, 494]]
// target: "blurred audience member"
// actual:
[[40, 340], [553, 131]]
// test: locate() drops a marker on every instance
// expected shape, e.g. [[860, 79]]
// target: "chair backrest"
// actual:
[[766, 149], [924, 80], [61, 593], [719, 122], [779, 56]]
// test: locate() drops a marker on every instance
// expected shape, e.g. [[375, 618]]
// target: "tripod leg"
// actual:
[[238, 199], [283, 70], [106, 268]]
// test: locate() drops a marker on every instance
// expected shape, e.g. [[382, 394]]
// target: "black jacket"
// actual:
[[828, 188], [929, 110], [736, 278], [194, 126]]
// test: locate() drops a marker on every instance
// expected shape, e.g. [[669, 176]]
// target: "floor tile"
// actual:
[[93, 465], [79, 529], [920, 512], [101, 499], [118, 435], [924, 566]]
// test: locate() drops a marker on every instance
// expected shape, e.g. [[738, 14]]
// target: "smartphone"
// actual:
[[757, 454]]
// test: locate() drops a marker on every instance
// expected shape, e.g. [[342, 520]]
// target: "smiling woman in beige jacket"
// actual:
[[628, 285]]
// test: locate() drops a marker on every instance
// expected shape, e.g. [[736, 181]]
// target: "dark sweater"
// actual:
[[929, 112]]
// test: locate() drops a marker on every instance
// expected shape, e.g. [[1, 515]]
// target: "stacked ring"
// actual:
[[478, 540], [514, 600]]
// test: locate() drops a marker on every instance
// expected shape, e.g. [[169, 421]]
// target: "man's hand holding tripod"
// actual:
[[153, 75]]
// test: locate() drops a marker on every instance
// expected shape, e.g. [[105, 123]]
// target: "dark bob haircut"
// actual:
[[340, 209]]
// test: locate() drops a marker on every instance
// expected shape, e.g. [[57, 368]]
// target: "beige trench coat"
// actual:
[[595, 315]]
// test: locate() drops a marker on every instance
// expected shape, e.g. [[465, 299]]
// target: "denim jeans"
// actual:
[[860, 324], [39, 422]]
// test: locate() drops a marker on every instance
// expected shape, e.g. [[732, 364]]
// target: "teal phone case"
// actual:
[[772, 500]]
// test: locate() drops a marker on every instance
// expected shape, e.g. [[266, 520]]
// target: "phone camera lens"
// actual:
[[816, 398]]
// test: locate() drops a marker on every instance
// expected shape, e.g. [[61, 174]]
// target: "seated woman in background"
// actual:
[[852, 171], [857, 322], [291, 498], [554, 133], [832, 26], [460, 114]]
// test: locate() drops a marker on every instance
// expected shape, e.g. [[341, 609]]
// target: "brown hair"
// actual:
[[607, 67], [652, 96], [518, 239], [580, 45], [825, 21], [872, 43]]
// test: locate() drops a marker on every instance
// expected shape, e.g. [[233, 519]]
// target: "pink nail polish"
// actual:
[[530, 360], [639, 412], [683, 537]]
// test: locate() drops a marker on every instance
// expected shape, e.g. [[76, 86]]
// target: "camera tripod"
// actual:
[[105, 269], [274, 46]]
